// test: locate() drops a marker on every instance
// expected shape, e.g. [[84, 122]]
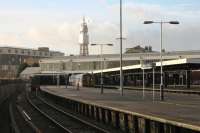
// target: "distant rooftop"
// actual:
[[46, 49], [31, 70], [139, 49], [41, 51]]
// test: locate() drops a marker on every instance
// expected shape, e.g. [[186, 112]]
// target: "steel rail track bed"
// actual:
[[35, 119], [67, 120]]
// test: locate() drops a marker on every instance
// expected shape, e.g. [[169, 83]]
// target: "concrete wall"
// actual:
[[129, 122], [8, 87]]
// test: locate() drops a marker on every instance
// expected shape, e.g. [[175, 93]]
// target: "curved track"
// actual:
[[34, 119], [70, 122]]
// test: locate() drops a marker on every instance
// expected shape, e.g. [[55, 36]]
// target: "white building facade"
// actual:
[[92, 62]]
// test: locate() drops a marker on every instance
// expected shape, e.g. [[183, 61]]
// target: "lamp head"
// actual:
[[174, 22], [110, 44], [148, 22]]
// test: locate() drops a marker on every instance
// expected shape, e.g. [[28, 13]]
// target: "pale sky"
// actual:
[[56, 23]]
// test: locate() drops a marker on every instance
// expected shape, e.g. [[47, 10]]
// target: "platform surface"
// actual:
[[181, 108]]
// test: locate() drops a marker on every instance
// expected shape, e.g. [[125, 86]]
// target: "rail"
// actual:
[[60, 118], [47, 116], [74, 117], [13, 122], [28, 120]]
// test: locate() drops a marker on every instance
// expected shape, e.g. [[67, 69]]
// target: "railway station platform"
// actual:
[[132, 111]]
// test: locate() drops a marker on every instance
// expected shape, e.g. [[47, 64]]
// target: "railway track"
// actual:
[[29, 119], [11, 120], [4, 116], [70, 122], [65, 109], [19, 124]]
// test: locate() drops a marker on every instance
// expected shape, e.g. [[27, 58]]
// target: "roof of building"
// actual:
[[129, 56], [180, 61], [139, 49], [30, 71], [24, 48], [64, 72], [148, 66]]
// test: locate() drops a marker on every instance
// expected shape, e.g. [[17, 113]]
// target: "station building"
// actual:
[[181, 68], [93, 62]]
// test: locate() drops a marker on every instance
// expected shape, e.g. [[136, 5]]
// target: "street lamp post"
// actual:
[[153, 83], [143, 82], [121, 72], [121, 41], [153, 65], [143, 76], [102, 61], [161, 48]]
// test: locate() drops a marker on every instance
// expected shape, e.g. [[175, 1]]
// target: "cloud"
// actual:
[[6, 39], [60, 36], [105, 32], [184, 35], [60, 30]]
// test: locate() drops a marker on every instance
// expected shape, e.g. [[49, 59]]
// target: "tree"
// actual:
[[35, 65], [21, 68]]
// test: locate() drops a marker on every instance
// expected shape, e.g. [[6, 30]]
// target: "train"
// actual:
[[174, 79], [195, 77], [81, 80]]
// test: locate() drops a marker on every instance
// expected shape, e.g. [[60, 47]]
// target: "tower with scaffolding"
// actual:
[[84, 39]]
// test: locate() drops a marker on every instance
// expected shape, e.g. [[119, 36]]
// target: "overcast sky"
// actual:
[[56, 23]]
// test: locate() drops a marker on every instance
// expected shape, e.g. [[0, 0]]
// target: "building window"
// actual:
[[46, 54], [20, 60], [12, 59], [9, 51], [29, 52], [22, 51], [13, 68], [5, 67], [16, 51]]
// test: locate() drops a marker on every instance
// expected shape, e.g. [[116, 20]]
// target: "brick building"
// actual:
[[11, 58]]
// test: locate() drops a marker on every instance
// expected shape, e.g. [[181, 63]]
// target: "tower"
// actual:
[[84, 39]]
